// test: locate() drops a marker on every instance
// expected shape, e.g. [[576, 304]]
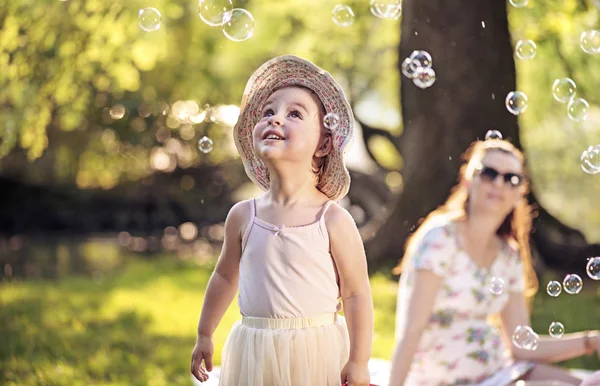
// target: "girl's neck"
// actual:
[[292, 187]]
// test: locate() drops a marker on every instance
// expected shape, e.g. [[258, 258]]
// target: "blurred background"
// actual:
[[117, 165]]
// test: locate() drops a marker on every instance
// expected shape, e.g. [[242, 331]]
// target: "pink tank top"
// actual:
[[287, 272]]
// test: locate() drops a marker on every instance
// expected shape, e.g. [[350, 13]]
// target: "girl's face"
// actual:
[[290, 128], [497, 184]]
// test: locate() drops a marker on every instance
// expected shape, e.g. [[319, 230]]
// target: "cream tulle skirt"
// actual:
[[285, 352]]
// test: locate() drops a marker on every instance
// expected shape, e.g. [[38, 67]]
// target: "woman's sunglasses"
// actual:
[[490, 174]]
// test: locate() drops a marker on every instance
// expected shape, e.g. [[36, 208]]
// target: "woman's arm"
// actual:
[[420, 307], [549, 349], [349, 255]]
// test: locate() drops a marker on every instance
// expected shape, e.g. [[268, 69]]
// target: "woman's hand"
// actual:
[[356, 374]]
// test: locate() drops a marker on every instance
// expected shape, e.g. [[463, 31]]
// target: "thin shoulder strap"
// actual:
[[250, 223], [325, 207], [322, 226]]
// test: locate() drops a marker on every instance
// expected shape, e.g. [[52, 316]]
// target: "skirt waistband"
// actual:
[[289, 323]]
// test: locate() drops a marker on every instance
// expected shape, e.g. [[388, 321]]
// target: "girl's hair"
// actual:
[[320, 165], [515, 228]]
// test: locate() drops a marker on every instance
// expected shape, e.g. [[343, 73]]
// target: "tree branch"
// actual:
[[369, 131]]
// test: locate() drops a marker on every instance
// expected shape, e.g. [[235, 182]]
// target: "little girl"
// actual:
[[292, 252]]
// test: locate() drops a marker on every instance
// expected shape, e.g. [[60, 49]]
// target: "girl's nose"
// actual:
[[275, 120]]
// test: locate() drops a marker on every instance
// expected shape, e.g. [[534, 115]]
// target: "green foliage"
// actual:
[[554, 142], [137, 326], [68, 62], [64, 64]]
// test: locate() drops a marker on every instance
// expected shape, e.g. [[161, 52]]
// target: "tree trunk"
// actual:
[[475, 70]]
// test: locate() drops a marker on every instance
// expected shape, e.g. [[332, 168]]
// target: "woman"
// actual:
[[468, 261]]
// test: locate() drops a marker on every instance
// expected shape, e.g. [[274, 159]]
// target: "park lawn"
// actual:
[[137, 326]]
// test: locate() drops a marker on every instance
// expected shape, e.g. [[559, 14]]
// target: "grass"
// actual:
[[137, 326]]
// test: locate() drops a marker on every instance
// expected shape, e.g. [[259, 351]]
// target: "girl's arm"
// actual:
[[549, 349], [223, 283], [221, 290], [420, 307], [349, 255]]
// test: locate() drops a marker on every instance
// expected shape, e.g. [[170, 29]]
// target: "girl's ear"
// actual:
[[324, 147]]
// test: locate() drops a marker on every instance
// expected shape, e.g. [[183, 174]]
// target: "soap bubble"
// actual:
[[117, 111], [493, 134], [563, 89], [239, 25], [420, 59], [519, 3], [572, 284], [496, 286], [342, 15], [205, 145], [424, 77], [214, 12], [386, 9], [525, 49], [556, 329], [593, 268], [331, 121], [516, 102], [590, 160], [589, 42], [149, 19], [578, 109], [407, 69], [525, 338], [554, 288]]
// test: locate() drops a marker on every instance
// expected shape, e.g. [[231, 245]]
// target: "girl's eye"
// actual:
[[267, 113], [295, 114]]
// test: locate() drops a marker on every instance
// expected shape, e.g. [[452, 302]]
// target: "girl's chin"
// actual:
[[269, 153]]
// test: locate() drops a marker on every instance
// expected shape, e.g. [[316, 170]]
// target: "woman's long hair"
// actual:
[[516, 227]]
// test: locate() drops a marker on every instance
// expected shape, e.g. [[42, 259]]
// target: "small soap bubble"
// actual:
[[407, 69], [149, 19], [525, 338], [525, 49], [593, 268], [589, 41], [386, 9], [496, 286], [214, 12], [331, 121], [553, 288], [117, 111], [493, 134], [342, 15], [564, 89], [556, 330], [424, 77], [590, 160], [205, 145], [572, 284], [577, 110], [516, 102], [519, 3], [420, 59], [239, 25]]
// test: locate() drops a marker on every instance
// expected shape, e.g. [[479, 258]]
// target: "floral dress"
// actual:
[[459, 346]]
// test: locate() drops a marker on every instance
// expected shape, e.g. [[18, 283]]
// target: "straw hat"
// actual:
[[286, 71]]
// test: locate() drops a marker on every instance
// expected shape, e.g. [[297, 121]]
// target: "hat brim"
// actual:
[[287, 71]]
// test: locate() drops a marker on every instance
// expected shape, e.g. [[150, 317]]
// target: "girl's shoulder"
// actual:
[[241, 214]]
